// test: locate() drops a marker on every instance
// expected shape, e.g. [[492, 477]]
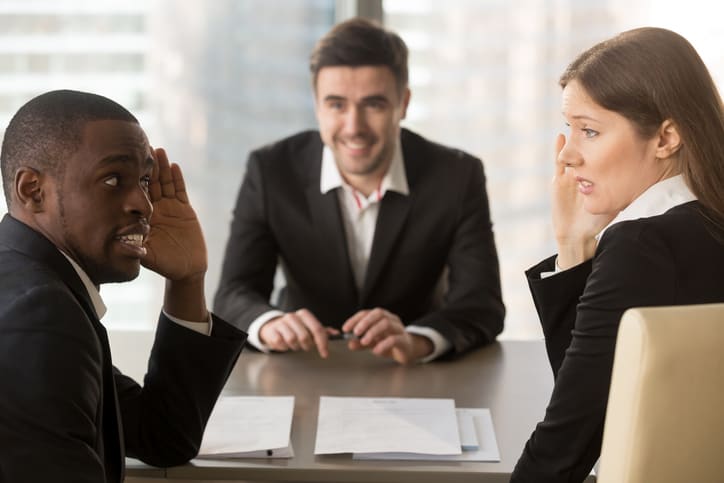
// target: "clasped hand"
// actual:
[[377, 330]]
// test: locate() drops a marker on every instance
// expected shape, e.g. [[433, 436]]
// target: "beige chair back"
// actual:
[[665, 417]]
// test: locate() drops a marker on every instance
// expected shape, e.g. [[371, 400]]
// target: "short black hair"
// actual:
[[361, 42], [48, 129]]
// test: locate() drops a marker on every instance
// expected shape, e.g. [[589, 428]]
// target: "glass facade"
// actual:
[[211, 80]]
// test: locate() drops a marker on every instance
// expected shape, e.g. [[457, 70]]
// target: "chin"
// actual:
[[595, 209], [119, 275]]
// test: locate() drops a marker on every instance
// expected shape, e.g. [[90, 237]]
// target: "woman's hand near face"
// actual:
[[575, 228]]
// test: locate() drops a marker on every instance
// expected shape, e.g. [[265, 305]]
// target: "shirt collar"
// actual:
[[92, 290], [395, 178], [656, 200]]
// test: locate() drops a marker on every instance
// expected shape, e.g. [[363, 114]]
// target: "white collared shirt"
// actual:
[[359, 215], [100, 307], [359, 212], [656, 200]]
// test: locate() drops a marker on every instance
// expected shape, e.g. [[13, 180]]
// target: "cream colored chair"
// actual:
[[665, 418]]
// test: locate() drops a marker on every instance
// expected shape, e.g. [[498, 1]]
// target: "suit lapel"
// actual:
[[328, 225], [391, 219]]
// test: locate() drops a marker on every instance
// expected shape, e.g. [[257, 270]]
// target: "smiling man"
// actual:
[[89, 203], [380, 233]]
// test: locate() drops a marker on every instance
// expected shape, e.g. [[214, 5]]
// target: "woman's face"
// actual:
[[612, 163]]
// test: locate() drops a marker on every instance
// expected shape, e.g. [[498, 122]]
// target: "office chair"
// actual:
[[665, 417]]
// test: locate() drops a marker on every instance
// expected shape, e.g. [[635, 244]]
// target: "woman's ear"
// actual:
[[28, 190], [669, 140]]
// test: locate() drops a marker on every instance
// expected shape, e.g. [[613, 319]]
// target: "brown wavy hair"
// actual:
[[649, 75]]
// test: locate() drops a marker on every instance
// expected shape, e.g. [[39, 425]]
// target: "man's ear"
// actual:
[[669, 140], [28, 189]]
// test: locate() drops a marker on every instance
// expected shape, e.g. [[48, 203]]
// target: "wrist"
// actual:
[[571, 254], [186, 299], [421, 346]]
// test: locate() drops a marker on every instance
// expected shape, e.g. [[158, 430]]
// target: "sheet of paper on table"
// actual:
[[249, 427], [481, 446], [368, 424]]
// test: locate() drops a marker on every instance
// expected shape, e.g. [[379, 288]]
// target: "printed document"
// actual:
[[481, 446], [368, 425], [249, 427]]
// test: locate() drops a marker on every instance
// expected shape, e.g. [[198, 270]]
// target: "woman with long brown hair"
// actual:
[[638, 215]]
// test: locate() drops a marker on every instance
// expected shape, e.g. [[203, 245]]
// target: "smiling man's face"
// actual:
[[359, 110]]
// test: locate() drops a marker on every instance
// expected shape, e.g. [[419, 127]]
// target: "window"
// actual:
[[212, 80]]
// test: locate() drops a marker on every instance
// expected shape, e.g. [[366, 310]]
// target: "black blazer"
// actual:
[[66, 414], [281, 215], [671, 259]]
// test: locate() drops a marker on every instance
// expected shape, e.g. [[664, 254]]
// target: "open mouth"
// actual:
[[133, 243], [135, 239]]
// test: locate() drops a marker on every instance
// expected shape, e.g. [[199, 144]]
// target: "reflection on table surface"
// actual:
[[511, 378]]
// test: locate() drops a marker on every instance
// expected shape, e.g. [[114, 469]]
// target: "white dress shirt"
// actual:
[[359, 215], [656, 200], [100, 307]]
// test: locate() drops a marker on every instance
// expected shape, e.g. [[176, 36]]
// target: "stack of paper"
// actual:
[[249, 427], [404, 428]]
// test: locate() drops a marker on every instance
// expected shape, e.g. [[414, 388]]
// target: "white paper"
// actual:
[[487, 445], [351, 425], [249, 427], [466, 428]]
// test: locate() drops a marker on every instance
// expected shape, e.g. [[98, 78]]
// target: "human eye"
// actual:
[[376, 104], [589, 133], [111, 180], [335, 105]]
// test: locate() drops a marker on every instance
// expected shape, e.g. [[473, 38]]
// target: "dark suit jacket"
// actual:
[[281, 215], [66, 414], [671, 259]]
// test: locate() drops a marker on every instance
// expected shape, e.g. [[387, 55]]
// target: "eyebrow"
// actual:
[[374, 97], [584, 117]]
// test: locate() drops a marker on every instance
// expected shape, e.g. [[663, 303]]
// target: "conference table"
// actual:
[[511, 378]]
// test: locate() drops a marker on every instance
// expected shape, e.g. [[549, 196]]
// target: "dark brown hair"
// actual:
[[649, 75], [361, 42]]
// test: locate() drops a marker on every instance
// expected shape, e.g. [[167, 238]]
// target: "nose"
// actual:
[[569, 155], [354, 121], [139, 203]]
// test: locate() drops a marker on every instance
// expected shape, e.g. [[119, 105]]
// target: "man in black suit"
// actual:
[[381, 234], [81, 184]]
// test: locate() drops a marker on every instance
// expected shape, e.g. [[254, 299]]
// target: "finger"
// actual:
[[288, 333], [560, 165], [380, 329], [394, 347], [179, 184], [350, 323], [387, 323], [384, 347], [354, 345], [273, 338], [165, 178], [315, 328], [301, 335], [154, 188], [367, 321]]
